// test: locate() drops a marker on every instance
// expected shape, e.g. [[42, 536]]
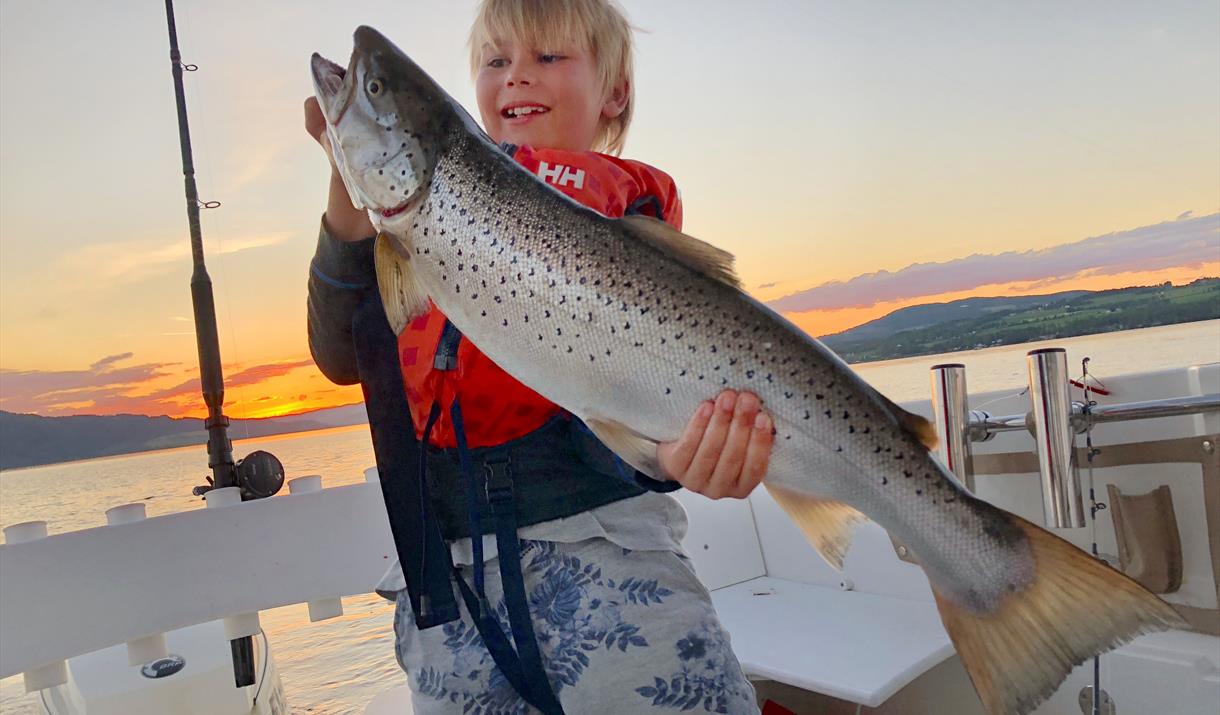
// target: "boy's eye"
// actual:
[[549, 58], [497, 62]]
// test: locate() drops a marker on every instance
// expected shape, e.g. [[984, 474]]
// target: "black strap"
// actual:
[[422, 551], [646, 201], [500, 503], [522, 667]]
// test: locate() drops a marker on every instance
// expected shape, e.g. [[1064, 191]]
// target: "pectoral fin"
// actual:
[[634, 448], [827, 523], [401, 295]]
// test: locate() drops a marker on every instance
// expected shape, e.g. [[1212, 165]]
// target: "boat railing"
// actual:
[[1054, 420]]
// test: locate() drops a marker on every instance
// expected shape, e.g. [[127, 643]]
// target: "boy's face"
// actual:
[[546, 98]]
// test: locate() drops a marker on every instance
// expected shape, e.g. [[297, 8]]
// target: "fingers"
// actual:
[[738, 470], [315, 121], [698, 476], [675, 457], [758, 455], [724, 450]]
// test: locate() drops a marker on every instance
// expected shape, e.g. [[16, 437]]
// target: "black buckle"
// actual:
[[498, 484]]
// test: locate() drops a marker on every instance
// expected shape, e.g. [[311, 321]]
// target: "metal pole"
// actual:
[[1062, 505], [952, 419], [220, 449]]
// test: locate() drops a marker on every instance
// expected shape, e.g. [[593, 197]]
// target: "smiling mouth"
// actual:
[[521, 111]]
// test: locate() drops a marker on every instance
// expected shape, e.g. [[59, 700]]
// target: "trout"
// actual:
[[629, 325]]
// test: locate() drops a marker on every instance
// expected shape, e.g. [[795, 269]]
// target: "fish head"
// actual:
[[386, 120]]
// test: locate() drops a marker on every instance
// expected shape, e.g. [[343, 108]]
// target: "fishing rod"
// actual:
[[260, 474]]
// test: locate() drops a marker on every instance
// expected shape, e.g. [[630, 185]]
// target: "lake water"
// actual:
[[337, 666]]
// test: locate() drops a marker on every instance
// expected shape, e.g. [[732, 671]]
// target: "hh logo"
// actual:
[[561, 175]]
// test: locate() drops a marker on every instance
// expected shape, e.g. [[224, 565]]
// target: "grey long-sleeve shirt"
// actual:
[[338, 276]]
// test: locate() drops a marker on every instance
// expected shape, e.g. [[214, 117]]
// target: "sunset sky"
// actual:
[[856, 157]]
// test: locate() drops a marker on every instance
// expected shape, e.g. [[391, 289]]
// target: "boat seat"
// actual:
[[856, 646]]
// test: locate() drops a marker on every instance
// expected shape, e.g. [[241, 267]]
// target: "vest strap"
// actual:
[[422, 552], [525, 661]]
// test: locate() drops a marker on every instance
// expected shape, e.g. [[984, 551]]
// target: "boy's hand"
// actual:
[[344, 222], [724, 450]]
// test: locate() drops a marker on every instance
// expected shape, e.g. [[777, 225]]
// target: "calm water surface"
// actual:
[[337, 666]]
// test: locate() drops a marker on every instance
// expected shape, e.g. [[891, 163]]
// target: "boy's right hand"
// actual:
[[344, 222]]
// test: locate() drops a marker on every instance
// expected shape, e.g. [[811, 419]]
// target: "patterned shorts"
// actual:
[[621, 631]]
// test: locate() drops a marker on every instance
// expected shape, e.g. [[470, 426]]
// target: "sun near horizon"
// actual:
[[303, 389]]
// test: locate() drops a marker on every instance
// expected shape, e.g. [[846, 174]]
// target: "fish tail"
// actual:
[[1075, 607]]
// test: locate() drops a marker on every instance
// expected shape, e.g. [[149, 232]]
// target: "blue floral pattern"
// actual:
[[709, 677], [583, 616]]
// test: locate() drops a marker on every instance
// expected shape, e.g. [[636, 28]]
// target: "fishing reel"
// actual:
[[259, 475]]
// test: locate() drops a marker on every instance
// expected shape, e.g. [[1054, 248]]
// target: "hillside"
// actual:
[[985, 322]]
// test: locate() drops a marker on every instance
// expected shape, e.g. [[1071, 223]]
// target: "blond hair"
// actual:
[[595, 26]]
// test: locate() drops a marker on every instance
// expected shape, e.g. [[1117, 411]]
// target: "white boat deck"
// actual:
[[861, 636], [860, 647]]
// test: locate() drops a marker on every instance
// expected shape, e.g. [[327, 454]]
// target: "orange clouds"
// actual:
[[106, 388]]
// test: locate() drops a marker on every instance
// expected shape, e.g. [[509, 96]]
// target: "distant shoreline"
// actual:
[[976, 323], [37, 441], [924, 330], [203, 444]]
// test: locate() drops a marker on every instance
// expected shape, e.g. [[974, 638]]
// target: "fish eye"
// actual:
[[374, 87]]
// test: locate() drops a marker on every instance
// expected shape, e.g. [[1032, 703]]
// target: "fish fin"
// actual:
[[1075, 608], [827, 523], [919, 426], [692, 252], [401, 295], [634, 448]]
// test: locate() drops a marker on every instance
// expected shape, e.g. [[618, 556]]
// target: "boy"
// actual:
[[622, 623]]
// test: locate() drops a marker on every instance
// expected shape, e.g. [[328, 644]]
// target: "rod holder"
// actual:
[[52, 674], [1062, 505], [322, 608], [151, 647], [952, 417]]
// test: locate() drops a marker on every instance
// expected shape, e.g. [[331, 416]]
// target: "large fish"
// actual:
[[629, 325]]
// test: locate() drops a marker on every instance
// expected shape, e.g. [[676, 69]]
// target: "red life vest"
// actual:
[[495, 407]]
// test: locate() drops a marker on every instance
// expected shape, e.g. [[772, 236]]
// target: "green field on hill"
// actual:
[[1057, 317]]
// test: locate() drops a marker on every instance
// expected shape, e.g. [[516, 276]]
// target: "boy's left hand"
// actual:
[[724, 450]]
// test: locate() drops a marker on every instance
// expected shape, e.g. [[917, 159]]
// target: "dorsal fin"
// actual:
[[690, 251]]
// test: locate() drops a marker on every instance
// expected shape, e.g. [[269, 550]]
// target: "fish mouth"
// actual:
[[405, 206], [387, 213], [334, 95]]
